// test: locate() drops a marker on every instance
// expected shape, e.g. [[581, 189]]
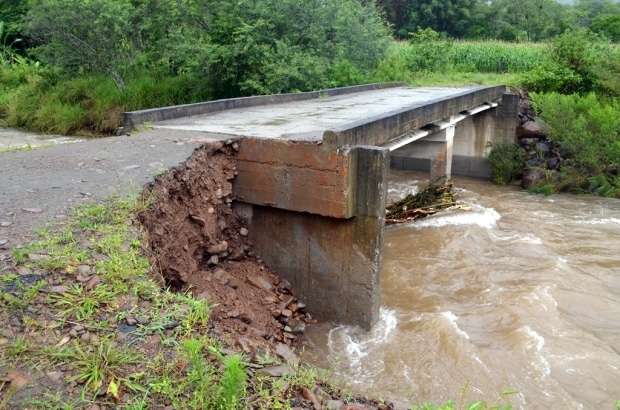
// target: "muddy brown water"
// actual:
[[518, 294]]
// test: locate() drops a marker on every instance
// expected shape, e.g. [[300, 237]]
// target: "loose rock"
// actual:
[[334, 404], [84, 269], [532, 177], [219, 248], [260, 282], [32, 210], [531, 129], [287, 354], [93, 282], [277, 371], [309, 395]]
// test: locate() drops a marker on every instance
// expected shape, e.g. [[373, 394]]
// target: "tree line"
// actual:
[[522, 20]]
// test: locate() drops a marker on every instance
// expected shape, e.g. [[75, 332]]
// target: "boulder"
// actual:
[[532, 177], [531, 129], [543, 147], [553, 163]]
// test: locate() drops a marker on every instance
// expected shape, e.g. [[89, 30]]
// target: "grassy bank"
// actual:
[[38, 98], [570, 139]]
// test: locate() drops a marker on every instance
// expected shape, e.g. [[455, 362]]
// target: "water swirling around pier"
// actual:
[[517, 293]]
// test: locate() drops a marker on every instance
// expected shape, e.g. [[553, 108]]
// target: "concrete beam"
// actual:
[[295, 176], [474, 136]]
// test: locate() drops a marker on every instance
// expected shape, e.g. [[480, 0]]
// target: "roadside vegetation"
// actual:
[[74, 66]]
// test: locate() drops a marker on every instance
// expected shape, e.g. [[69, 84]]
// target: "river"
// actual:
[[515, 299]]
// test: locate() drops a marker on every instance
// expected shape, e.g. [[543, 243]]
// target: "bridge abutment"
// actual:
[[330, 251]]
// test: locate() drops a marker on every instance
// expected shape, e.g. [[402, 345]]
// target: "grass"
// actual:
[[105, 363], [168, 358], [41, 99]]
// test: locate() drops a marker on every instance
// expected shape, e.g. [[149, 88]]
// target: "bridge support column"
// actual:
[[332, 260], [441, 159], [433, 153]]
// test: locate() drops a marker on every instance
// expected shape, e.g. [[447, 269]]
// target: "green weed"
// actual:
[[17, 348], [82, 304], [507, 163], [104, 364], [232, 383]]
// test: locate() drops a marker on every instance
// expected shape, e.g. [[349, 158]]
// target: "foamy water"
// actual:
[[514, 292]]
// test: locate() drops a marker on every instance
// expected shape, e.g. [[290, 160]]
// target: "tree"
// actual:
[[531, 20], [397, 13], [608, 25], [451, 17], [267, 46], [84, 35], [587, 11]]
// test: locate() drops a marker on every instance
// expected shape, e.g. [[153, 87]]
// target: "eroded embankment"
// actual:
[[198, 242]]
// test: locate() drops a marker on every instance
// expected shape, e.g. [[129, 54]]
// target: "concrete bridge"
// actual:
[[313, 170]]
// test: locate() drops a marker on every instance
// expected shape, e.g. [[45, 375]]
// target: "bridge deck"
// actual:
[[307, 120]]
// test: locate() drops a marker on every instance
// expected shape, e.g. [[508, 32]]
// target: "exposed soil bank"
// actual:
[[199, 243]]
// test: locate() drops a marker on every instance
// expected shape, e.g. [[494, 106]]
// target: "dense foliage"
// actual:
[[531, 20], [103, 57], [587, 127], [580, 61]]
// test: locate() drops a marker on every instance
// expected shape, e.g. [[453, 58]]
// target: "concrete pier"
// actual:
[[313, 172]]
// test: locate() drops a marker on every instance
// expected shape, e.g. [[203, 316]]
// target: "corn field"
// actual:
[[471, 56], [496, 56]]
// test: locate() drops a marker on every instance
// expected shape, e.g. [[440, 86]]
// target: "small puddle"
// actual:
[[16, 140], [517, 293]]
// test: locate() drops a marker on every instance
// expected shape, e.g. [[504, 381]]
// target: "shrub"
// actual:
[[587, 127], [38, 98], [552, 77], [608, 73], [607, 25], [507, 163], [580, 61], [428, 51], [270, 46]]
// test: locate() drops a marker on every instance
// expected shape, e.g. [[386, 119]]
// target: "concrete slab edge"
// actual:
[[134, 118], [405, 118]]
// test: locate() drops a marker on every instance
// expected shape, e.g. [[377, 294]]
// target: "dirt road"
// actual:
[[40, 185]]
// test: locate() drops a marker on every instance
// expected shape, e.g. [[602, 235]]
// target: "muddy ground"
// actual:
[[198, 242]]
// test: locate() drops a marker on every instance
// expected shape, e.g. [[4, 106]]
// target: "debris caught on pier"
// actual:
[[437, 196]]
